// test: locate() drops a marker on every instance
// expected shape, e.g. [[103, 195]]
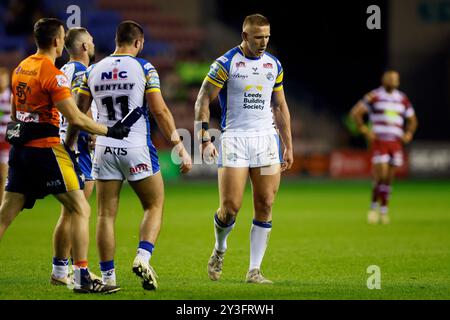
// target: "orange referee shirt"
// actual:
[[37, 85]]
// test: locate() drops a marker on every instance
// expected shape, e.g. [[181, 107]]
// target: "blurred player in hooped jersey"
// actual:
[[393, 124], [122, 84], [255, 115], [5, 117], [80, 46]]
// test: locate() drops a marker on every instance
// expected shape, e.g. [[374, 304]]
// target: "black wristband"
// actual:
[[205, 126]]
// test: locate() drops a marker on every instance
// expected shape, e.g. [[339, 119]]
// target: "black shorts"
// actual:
[[38, 172]]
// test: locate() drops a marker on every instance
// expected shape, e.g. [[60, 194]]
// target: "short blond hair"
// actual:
[[255, 19], [72, 36]]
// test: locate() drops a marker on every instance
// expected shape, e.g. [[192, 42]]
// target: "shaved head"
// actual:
[[74, 38], [78, 41]]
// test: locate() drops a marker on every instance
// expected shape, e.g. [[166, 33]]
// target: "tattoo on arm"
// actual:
[[205, 96]]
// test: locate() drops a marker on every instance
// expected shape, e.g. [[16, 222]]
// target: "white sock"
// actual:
[[108, 272], [60, 267], [60, 271], [221, 231], [109, 277], [144, 254], [259, 238]]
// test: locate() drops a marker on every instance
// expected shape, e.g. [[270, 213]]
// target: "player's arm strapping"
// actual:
[[283, 121]]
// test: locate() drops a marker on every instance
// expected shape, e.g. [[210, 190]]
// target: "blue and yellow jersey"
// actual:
[[74, 71], [247, 85]]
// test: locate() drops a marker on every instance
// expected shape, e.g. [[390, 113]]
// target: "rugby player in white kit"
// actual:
[[249, 84], [119, 84]]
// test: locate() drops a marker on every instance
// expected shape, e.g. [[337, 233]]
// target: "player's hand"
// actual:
[[208, 151], [369, 134], [92, 138], [186, 161], [407, 137], [288, 159], [118, 131]]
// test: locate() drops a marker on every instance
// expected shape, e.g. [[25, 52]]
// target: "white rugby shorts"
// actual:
[[249, 152], [132, 164]]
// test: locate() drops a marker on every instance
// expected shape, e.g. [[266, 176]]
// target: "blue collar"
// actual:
[[247, 57]]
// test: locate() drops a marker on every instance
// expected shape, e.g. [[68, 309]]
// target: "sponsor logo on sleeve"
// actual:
[[213, 70], [62, 81], [153, 79], [223, 59]]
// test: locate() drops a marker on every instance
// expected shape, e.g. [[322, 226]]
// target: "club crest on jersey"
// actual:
[[270, 76], [240, 64], [115, 74], [268, 65]]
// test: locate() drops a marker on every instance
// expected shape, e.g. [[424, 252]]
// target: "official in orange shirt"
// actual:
[[42, 165]]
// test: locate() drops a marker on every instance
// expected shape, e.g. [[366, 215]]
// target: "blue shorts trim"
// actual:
[[84, 158], [154, 157]]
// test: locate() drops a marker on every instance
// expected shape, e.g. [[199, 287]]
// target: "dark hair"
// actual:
[[127, 32], [72, 35], [256, 19], [45, 31]]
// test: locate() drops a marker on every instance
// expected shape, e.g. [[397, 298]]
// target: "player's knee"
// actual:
[[153, 205], [230, 208], [263, 205], [106, 213], [81, 208]]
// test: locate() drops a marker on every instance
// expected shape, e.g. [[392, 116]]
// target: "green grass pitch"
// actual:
[[320, 245]]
